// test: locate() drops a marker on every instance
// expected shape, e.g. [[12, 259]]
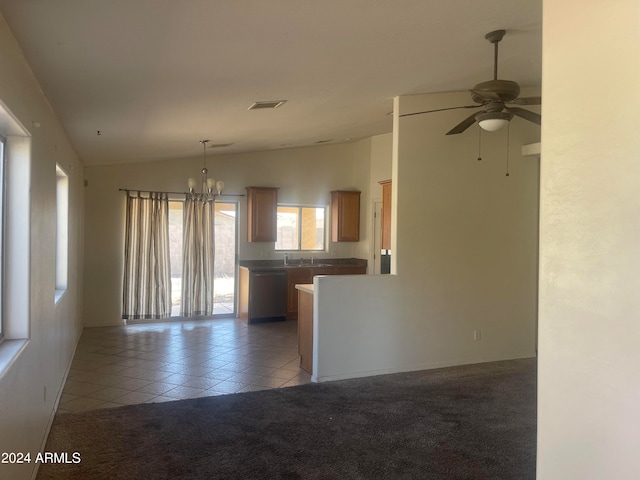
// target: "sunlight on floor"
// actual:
[[147, 363]]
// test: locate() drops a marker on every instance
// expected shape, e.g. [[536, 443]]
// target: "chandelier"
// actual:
[[209, 188]]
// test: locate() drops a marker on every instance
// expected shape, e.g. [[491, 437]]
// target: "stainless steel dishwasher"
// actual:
[[268, 292]]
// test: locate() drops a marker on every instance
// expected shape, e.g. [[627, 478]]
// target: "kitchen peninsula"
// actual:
[[267, 288]]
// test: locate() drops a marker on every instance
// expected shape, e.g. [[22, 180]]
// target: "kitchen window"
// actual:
[[300, 228]]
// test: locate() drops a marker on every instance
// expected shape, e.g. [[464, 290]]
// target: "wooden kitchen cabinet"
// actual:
[[386, 215], [304, 275], [305, 329], [296, 276], [262, 205], [350, 271], [345, 216]]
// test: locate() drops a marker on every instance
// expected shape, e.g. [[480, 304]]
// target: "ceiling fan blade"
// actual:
[[440, 110], [463, 125], [527, 101], [526, 114]]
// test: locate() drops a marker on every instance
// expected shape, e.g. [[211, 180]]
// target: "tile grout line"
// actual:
[[121, 355]]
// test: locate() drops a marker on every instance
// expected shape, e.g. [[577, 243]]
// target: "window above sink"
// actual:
[[301, 228]]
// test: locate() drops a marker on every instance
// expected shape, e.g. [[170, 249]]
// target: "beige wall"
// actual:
[[380, 169], [25, 408], [465, 250], [381, 156], [589, 387], [303, 176], [589, 262]]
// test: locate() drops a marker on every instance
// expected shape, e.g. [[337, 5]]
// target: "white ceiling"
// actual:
[[156, 76]]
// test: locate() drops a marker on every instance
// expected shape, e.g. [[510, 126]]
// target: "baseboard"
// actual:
[[56, 403], [415, 368]]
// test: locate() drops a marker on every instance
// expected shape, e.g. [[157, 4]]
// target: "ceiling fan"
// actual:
[[493, 96]]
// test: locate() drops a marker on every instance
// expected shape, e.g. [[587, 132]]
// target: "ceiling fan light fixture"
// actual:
[[493, 124], [493, 121]]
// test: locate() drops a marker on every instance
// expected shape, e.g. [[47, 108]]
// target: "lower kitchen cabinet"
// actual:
[[305, 328], [268, 292], [349, 271], [304, 275], [295, 276]]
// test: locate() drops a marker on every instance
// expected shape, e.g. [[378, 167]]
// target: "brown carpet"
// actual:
[[472, 422]]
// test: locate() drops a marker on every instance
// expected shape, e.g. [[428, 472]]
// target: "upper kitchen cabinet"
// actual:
[[386, 214], [262, 205], [345, 216]]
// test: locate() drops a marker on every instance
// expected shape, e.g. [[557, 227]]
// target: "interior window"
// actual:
[[15, 222], [300, 228], [2, 217], [62, 230]]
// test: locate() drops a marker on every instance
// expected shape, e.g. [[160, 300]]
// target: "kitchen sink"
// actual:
[[298, 263]]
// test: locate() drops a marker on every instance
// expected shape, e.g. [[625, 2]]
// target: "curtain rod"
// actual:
[[177, 193]]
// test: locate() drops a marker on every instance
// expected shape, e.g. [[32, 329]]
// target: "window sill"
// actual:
[[301, 251], [9, 352], [59, 294]]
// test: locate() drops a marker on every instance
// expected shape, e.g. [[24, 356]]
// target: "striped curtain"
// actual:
[[147, 272], [197, 257]]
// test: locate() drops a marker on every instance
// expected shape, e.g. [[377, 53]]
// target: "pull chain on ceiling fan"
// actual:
[[493, 96]]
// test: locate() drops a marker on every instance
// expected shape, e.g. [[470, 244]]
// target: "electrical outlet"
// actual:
[[477, 335]]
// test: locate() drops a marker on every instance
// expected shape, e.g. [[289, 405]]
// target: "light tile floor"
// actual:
[[219, 308], [160, 362]]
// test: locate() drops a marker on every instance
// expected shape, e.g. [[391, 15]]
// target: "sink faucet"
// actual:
[[286, 258]]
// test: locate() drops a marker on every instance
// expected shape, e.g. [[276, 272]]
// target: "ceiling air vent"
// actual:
[[269, 104]]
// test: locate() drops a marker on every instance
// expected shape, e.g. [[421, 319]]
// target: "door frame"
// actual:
[[376, 235], [236, 257]]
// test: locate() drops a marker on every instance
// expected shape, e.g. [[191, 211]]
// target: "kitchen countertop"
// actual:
[[295, 263]]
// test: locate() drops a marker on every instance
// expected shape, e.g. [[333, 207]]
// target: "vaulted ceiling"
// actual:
[[156, 76]]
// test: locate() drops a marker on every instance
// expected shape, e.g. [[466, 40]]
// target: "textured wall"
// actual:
[[589, 387], [303, 176], [30, 386], [465, 253]]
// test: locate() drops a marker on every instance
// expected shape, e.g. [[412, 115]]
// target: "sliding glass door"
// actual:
[[225, 265]]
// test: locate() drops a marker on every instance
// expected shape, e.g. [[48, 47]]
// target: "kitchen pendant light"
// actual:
[[209, 188]]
